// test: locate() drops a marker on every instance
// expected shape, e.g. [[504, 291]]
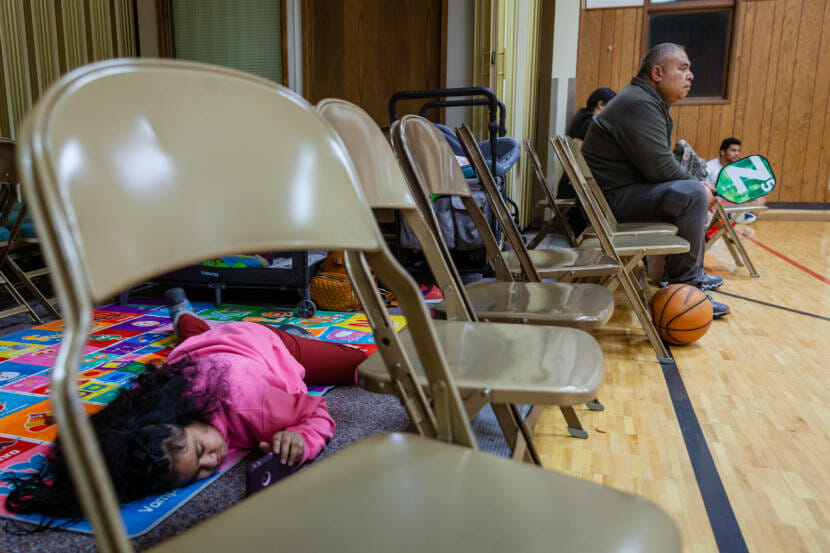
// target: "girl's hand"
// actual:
[[288, 445]]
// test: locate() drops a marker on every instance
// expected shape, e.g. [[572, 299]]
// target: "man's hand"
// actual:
[[288, 445], [711, 200]]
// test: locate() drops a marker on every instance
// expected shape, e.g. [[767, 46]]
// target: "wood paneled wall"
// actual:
[[779, 90], [364, 51]]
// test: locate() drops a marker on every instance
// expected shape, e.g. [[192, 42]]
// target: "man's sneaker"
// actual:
[[177, 304], [745, 218], [718, 309], [710, 282], [432, 294]]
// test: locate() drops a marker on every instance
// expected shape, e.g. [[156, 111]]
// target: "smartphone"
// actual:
[[265, 471]]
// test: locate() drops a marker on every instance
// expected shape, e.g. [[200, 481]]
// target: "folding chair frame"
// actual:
[[730, 237], [635, 294]]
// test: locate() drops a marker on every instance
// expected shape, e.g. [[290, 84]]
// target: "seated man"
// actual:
[[730, 152], [628, 148]]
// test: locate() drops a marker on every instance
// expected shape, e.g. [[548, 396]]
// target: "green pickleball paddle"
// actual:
[[746, 179]]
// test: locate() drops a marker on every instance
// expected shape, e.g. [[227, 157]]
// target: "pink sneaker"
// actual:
[[432, 294]]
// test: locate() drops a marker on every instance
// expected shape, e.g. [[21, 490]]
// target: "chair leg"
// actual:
[[642, 314], [19, 298], [24, 278], [574, 425], [521, 452], [734, 243], [516, 432], [531, 447], [713, 239], [541, 234], [595, 405]]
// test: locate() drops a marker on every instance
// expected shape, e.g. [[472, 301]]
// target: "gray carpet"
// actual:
[[356, 412]]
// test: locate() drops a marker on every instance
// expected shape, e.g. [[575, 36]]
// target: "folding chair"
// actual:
[[558, 217], [722, 220], [430, 171], [629, 250], [617, 229], [385, 188], [97, 155], [15, 246]]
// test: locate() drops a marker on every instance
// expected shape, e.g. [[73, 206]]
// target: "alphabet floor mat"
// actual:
[[122, 338]]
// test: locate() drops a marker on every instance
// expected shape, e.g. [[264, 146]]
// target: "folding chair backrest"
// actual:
[[497, 205], [385, 188], [549, 194], [601, 226], [444, 417], [124, 185], [432, 169], [591, 182]]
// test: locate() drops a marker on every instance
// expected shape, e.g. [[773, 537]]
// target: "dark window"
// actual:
[[705, 29]]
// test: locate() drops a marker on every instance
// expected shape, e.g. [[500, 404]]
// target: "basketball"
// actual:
[[681, 313]]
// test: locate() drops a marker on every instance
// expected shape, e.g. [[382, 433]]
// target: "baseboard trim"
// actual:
[[795, 215]]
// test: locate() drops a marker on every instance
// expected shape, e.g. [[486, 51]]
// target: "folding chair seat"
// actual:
[[506, 357], [629, 250], [292, 190]]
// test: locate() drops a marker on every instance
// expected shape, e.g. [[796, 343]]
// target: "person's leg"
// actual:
[[325, 363], [188, 325], [682, 203], [179, 306]]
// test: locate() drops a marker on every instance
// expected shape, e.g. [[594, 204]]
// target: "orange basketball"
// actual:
[[681, 313]]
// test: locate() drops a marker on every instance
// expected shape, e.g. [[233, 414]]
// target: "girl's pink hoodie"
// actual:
[[261, 385]]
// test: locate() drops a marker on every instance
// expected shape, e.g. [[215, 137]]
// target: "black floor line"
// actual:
[[725, 526], [790, 309]]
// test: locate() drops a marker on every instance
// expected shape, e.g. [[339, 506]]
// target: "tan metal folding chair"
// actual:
[[556, 205], [617, 229], [97, 155], [430, 169], [723, 221], [386, 188], [629, 250], [16, 247]]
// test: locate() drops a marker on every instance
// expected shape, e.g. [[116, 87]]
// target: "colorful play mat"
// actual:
[[122, 338]]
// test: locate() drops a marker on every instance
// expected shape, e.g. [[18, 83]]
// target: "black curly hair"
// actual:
[[140, 432]]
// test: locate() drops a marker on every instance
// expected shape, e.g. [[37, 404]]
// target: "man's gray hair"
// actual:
[[657, 55]]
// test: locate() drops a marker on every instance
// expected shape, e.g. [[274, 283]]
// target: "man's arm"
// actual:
[[642, 138]]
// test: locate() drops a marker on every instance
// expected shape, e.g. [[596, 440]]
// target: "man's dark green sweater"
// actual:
[[629, 142]]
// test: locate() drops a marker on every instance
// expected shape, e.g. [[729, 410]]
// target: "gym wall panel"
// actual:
[[778, 93], [40, 40]]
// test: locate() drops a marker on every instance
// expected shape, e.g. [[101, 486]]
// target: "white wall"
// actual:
[[563, 75], [460, 54]]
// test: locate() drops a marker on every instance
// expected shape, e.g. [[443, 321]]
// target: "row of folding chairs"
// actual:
[[304, 179], [721, 222], [18, 244]]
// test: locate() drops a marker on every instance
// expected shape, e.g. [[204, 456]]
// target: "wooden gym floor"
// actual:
[[747, 444]]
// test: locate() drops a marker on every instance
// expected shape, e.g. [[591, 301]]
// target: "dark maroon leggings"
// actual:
[[325, 363]]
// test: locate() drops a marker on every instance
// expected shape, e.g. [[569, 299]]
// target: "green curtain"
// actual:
[[242, 34]]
